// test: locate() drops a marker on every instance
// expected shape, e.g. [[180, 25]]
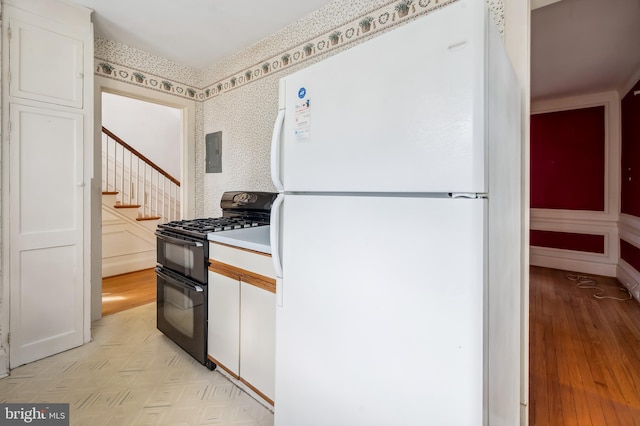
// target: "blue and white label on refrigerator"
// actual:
[[302, 126], [302, 92]]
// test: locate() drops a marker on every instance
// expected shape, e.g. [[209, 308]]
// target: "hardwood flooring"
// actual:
[[584, 353], [122, 292]]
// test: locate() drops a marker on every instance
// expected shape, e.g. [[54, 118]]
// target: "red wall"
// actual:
[[568, 159], [567, 171], [630, 165], [568, 241], [630, 169]]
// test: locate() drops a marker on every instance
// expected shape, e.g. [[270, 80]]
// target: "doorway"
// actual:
[[140, 184], [186, 174]]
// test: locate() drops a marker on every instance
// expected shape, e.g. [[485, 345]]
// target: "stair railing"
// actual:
[[138, 180]]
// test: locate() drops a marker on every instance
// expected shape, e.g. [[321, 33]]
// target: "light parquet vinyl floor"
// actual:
[[584, 353], [132, 374]]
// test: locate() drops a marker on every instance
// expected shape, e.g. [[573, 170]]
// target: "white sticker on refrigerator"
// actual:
[[302, 127]]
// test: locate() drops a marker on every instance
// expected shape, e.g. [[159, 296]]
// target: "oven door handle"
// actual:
[[178, 240], [181, 284]]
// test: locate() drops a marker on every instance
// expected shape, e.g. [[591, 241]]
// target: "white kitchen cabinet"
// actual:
[[242, 301]]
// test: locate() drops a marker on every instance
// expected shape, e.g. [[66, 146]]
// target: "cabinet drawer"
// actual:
[[259, 263]]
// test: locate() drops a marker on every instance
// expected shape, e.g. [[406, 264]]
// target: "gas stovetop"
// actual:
[[240, 209], [201, 227]]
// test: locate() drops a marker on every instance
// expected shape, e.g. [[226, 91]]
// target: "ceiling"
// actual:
[[577, 46], [196, 33], [583, 46]]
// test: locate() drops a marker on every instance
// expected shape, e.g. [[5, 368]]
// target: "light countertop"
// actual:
[[257, 238]]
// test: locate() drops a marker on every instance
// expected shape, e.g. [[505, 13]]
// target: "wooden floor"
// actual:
[[128, 291], [584, 353]]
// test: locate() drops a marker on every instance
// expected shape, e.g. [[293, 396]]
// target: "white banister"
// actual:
[[136, 186]]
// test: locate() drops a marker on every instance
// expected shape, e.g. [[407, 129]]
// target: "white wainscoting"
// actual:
[[629, 230], [127, 245], [585, 262], [585, 222]]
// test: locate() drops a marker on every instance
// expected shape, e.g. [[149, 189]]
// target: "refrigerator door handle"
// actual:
[[279, 296], [275, 151], [274, 234]]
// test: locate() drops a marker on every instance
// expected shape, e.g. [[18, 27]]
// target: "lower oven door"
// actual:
[[182, 313], [186, 256]]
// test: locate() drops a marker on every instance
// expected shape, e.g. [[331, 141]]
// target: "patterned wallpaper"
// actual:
[[238, 96], [120, 62]]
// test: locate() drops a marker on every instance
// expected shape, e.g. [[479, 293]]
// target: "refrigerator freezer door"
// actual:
[[382, 318], [403, 112]]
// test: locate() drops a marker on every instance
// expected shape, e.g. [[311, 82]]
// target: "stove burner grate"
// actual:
[[207, 225]]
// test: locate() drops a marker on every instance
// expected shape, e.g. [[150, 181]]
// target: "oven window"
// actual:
[[179, 255], [179, 310], [182, 309], [188, 257]]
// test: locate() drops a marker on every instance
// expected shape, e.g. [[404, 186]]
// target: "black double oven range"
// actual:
[[182, 267]]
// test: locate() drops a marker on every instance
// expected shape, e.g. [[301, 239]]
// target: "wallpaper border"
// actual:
[[126, 74]]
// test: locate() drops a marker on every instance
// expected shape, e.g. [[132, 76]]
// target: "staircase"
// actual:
[[138, 184], [128, 226], [128, 243]]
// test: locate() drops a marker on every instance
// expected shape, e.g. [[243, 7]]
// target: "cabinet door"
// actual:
[[257, 338], [223, 343], [45, 65]]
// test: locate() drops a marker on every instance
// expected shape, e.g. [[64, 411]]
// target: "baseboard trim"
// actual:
[[584, 266], [4, 363], [630, 278]]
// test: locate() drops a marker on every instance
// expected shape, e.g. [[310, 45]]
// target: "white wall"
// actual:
[[152, 129]]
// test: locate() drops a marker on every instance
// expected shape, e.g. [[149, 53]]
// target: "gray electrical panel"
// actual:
[[213, 155]]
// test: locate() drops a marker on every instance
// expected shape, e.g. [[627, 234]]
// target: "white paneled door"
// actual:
[[46, 213], [47, 46]]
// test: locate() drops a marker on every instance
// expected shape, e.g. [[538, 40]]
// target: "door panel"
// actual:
[[257, 338], [46, 202], [48, 139], [45, 66], [52, 323], [223, 342]]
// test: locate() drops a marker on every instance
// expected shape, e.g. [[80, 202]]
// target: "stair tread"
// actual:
[[148, 218], [127, 206], [110, 192]]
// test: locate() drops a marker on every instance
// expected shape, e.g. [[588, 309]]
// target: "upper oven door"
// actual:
[[183, 255]]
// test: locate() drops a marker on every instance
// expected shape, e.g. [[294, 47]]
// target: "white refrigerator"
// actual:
[[396, 234]]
